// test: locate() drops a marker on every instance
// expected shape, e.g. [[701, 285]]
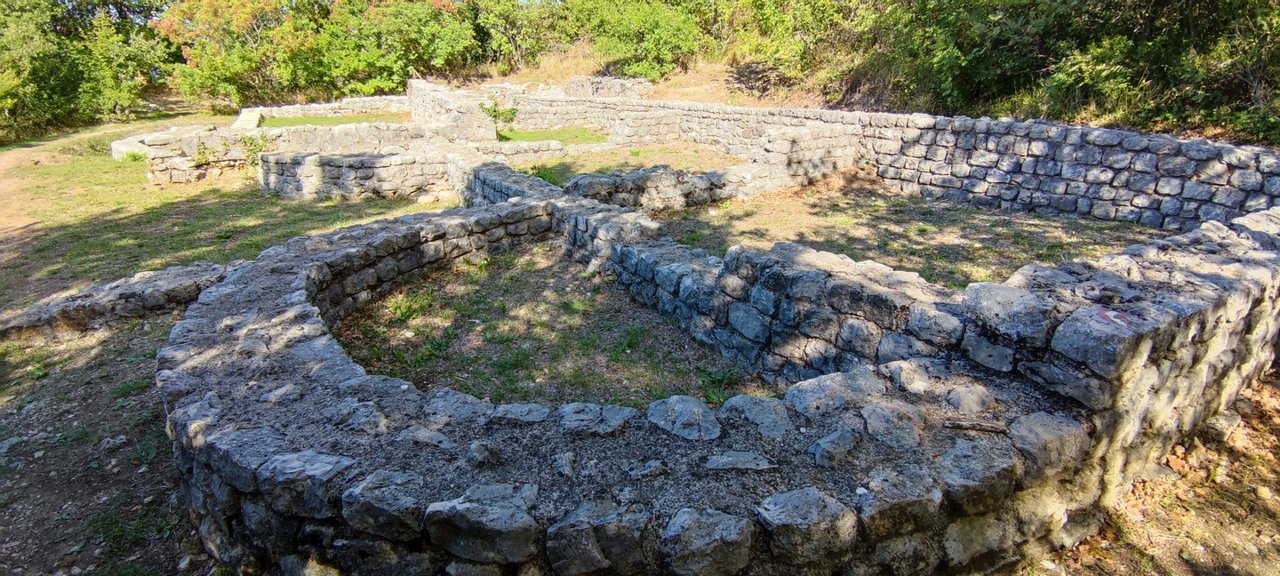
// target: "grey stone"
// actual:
[[237, 453], [1107, 339], [895, 423], [769, 415], [968, 538], [929, 323], [971, 399], [300, 483], [465, 569], [917, 375], [807, 526], [487, 524], [521, 413], [421, 435], [686, 417], [386, 504], [988, 353], [482, 453], [706, 543], [748, 322], [1221, 426], [446, 406], [1070, 382], [1052, 443], [859, 336], [833, 392], [599, 537], [735, 460], [833, 449], [899, 502], [594, 418], [898, 346], [979, 474], [282, 395], [1010, 312], [647, 469]]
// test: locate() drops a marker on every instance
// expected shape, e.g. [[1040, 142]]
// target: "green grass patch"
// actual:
[[389, 117], [101, 220], [531, 328], [127, 389], [567, 136]]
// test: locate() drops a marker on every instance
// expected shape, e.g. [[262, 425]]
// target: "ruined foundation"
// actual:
[[922, 430]]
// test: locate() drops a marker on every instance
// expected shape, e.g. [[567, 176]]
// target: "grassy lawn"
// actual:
[[77, 217], [389, 117], [679, 155], [567, 136], [945, 243], [529, 327]]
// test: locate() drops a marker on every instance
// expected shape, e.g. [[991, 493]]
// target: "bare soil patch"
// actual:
[[946, 243], [530, 326], [87, 482]]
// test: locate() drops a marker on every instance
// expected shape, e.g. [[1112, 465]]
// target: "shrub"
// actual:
[[643, 39]]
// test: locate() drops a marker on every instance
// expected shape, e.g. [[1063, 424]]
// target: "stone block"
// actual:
[[706, 543], [807, 526]]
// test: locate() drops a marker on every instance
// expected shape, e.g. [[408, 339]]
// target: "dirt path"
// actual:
[[13, 207]]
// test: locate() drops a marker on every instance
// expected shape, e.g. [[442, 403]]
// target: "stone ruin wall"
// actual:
[[293, 457], [190, 154], [352, 106], [607, 87], [1156, 180], [310, 176]]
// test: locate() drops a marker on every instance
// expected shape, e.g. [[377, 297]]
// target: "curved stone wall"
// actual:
[[292, 456], [935, 430]]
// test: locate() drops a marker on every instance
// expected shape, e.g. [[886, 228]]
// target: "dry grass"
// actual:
[[679, 155], [389, 117], [579, 59], [1214, 511], [532, 327], [945, 243]]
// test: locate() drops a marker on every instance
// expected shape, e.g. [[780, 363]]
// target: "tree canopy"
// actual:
[[1209, 66]]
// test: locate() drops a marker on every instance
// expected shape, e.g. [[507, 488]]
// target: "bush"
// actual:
[[642, 38]]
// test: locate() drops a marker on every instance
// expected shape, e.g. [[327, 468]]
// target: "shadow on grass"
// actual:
[[217, 224]]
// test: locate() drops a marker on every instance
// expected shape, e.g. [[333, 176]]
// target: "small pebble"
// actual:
[[1263, 492]]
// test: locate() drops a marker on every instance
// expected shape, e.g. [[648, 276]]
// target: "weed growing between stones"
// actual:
[[532, 327]]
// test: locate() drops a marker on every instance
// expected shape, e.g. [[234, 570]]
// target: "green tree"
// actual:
[[38, 75], [117, 68]]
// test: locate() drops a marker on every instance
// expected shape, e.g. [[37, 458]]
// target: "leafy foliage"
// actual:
[[1209, 66], [644, 39]]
